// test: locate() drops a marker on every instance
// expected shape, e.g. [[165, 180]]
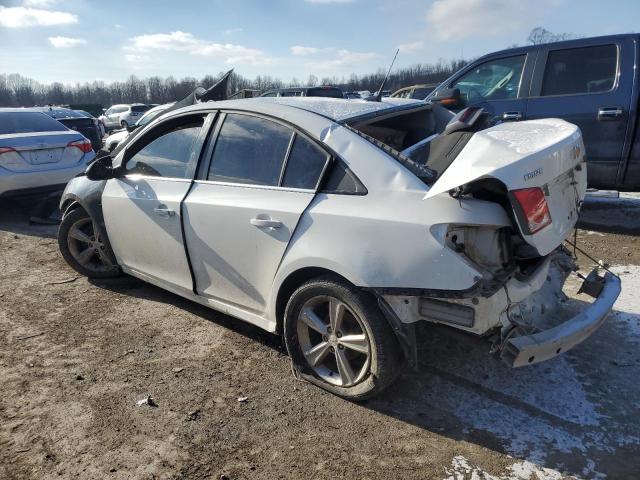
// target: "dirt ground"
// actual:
[[77, 355]]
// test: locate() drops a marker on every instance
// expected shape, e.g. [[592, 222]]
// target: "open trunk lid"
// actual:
[[547, 153]]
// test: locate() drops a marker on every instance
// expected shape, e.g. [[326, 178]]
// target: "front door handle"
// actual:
[[163, 211], [512, 116], [265, 223], [610, 113]]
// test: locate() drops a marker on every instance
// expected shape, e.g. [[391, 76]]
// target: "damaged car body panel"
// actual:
[[360, 216]]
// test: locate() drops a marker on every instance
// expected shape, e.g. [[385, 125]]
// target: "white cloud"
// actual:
[[20, 17], [130, 57], [231, 31], [460, 19], [39, 3], [344, 58], [329, 58], [66, 42], [185, 42], [411, 47], [301, 51], [324, 2]]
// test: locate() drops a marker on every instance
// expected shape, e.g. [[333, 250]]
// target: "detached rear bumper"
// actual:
[[529, 349]]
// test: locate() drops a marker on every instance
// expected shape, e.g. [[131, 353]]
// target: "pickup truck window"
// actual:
[[497, 79], [580, 70]]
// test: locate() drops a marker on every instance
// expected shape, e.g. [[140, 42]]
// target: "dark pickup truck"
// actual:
[[591, 82]]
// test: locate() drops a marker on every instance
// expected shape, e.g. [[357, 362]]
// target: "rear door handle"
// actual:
[[163, 211], [610, 113], [512, 116], [265, 223]]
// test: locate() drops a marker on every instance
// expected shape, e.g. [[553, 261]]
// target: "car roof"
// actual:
[[574, 43], [337, 109], [17, 110], [59, 112]]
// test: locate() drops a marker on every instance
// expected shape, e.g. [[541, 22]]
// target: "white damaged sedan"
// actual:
[[340, 224]]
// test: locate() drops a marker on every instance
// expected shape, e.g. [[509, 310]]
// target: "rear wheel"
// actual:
[[83, 247], [339, 340], [124, 124]]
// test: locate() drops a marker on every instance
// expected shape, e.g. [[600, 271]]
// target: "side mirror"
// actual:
[[101, 169], [447, 97]]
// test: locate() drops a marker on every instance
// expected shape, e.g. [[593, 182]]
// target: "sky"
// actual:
[[83, 40]]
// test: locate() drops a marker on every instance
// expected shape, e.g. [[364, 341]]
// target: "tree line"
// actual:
[[19, 91]]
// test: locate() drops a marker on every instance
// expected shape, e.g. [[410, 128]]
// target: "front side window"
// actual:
[[497, 79], [170, 155], [249, 150], [305, 164], [580, 70]]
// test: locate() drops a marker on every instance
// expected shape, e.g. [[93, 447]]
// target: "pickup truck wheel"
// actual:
[[83, 248], [339, 340]]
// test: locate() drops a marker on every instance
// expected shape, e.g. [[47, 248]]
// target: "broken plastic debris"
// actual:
[[148, 400], [243, 399]]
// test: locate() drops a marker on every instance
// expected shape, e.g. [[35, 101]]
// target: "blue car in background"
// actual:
[[37, 153], [591, 82]]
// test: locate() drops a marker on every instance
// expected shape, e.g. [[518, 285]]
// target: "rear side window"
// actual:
[[169, 155], [305, 164], [325, 92], [139, 108], [249, 150], [343, 181], [28, 122], [580, 70]]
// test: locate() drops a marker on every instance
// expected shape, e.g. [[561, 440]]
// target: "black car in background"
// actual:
[[321, 91], [82, 122]]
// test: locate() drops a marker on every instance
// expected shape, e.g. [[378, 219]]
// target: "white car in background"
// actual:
[[122, 116], [111, 142], [341, 223], [37, 153]]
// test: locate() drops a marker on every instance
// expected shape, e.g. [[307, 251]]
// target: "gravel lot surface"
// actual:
[[76, 356]]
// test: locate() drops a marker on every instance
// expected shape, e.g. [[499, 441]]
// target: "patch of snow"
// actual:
[[628, 304], [461, 469]]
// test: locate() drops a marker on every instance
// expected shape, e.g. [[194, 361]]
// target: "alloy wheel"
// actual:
[[333, 341], [86, 246]]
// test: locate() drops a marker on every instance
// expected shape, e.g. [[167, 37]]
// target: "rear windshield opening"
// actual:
[[28, 122], [407, 136], [325, 92], [401, 130]]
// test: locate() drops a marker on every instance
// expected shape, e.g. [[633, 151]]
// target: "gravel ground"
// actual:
[[76, 356]]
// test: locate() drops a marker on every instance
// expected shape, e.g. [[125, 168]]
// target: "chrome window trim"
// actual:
[[251, 185]]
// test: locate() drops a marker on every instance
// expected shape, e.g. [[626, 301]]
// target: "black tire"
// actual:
[[124, 124], [102, 264], [385, 355]]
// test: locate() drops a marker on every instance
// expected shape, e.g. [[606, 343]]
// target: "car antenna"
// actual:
[[378, 96]]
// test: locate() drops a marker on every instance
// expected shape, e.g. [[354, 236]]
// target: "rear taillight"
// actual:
[[534, 208], [84, 145]]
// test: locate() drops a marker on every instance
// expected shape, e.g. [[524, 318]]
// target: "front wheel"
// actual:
[[339, 340], [83, 247]]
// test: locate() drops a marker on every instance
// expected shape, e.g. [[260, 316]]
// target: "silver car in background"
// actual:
[[38, 153], [112, 141], [122, 116]]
